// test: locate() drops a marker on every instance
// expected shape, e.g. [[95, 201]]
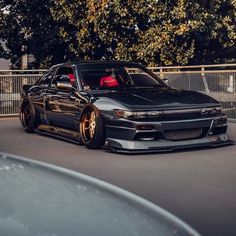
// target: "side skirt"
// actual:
[[60, 133]]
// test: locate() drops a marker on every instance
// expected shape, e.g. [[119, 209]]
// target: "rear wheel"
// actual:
[[28, 117], [92, 128]]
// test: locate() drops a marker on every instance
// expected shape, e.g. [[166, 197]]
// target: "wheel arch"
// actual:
[[89, 106], [25, 102], [98, 139]]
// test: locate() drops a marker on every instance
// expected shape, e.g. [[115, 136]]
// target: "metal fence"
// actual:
[[11, 82], [218, 81]]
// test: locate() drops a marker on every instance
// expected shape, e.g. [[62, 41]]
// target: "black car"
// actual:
[[121, 106]]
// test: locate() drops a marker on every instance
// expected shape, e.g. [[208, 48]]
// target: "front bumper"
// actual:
[[126, 146], [128, 138]]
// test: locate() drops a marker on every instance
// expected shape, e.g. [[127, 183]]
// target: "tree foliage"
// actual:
[[154, 32], [28, 28]]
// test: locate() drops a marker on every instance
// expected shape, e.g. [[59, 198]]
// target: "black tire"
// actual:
[[92, 129], [28, 117]]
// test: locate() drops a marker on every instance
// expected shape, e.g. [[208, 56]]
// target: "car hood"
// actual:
[[162, 98]]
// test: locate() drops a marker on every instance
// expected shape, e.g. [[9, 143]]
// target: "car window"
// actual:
[[46, 79], [64, 74], [117, 76], [142, 79], [91, 78]]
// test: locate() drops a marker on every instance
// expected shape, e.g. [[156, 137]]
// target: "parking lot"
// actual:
[[199, 186]]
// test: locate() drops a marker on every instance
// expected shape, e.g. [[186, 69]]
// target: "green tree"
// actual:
[[218, 31], [28, 28], [8, 34], [188, 32], [154, 32]]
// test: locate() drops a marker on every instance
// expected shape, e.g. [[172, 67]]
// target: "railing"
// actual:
[[11, 82], [218, 81]]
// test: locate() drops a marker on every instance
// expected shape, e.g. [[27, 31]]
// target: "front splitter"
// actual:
[[127, 146]]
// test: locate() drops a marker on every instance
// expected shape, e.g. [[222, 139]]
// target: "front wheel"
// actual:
[[92, 128]]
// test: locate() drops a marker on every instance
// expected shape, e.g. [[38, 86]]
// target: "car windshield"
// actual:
[[111, 77]]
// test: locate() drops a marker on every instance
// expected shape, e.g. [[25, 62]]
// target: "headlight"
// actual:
[[211, 111], [137, 114]]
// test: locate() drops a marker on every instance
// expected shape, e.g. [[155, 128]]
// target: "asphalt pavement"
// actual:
[[199, 186]]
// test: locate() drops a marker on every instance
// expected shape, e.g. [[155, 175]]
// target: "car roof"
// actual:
[[99, 62]]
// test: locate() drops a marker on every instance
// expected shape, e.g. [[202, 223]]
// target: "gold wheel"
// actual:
[[89, 125], [92, 124], [92, 129]]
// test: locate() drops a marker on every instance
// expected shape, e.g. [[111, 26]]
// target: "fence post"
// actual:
[[204, 79], [231, 84], [161, 73]]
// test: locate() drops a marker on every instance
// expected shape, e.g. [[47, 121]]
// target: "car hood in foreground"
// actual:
[[41, 199], [163, 98]]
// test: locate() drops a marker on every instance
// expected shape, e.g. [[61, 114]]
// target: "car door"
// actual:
[[63, 106], [39, 92]]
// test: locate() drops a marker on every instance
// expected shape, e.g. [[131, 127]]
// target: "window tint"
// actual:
[[142, 79], [46, 79], [64, 71], [64, 74], [91, 78], [116, 76]]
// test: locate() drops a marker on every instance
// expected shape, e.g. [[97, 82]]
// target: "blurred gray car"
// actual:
[[44, 200]]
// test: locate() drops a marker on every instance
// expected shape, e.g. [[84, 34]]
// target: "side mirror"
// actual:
[[165, 80], [64, 85]]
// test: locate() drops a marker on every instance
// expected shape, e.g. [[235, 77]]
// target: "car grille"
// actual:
[[177, 135], [185, 116]]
